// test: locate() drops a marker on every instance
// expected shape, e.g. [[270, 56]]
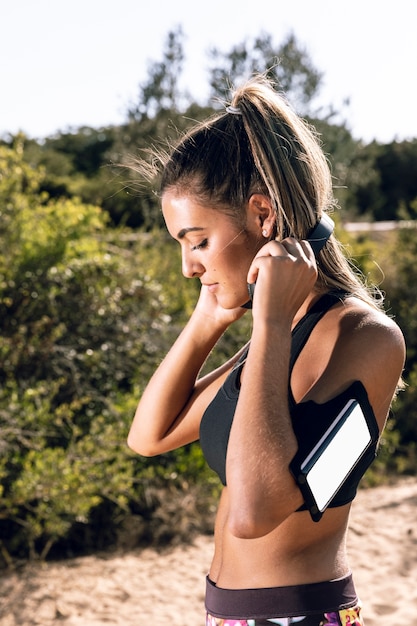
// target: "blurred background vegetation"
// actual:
[[91, 298]]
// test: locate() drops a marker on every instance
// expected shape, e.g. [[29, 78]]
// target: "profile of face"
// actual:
[[214, 248]]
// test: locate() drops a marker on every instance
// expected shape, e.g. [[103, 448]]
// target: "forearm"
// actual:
[[172, 386], [262, 440]]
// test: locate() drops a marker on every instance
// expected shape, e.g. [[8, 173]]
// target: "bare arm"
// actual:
[[262, 441], [355, 343], [169, 412]]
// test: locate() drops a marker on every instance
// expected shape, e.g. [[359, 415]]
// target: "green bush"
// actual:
[[86, 313], [84, 321], [388, 259]]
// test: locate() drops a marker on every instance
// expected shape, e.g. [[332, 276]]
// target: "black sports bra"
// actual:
[[217, 419]]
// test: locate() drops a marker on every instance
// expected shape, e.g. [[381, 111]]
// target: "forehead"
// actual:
[[184, 213]]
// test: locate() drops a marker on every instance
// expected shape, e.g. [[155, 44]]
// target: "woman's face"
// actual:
[[214, 248]]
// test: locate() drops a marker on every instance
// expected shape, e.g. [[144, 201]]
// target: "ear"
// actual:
[[261, 214]]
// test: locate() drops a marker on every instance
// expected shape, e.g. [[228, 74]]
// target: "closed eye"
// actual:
[[201, 245]]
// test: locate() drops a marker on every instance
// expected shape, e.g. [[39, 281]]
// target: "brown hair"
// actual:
[[260, 145]]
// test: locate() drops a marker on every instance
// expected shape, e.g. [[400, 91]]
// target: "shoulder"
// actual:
[[354, 331], [361, 326]]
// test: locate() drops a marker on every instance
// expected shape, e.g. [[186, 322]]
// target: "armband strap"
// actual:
[[337, 441]]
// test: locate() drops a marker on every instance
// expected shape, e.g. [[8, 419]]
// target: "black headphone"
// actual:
[[320, 233]]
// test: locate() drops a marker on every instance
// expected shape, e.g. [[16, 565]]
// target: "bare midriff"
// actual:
[[297, 552]]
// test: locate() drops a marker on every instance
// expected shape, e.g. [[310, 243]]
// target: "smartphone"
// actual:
[[341, 448], [317, 239]]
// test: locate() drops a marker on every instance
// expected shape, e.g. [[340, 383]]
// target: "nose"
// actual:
[[191, 268]]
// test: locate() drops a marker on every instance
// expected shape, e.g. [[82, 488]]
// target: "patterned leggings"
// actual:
[[344, 617]]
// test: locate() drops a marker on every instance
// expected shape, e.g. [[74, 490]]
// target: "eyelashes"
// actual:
[[205, 242], [201, 245]]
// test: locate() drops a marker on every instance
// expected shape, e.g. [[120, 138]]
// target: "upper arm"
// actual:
[[368, 347]]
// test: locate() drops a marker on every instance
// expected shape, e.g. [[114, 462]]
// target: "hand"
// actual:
[[208, 306], [285, 272]]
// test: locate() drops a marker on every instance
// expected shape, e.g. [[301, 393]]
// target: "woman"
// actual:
[[241, 193]]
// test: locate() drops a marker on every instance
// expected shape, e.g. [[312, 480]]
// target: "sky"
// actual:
[[71, 63]]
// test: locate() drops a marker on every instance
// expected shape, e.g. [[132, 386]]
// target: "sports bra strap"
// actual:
[[305, 326]]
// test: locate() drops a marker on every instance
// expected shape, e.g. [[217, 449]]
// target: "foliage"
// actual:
[[382, 181], [389, 260], [88, 308], [160, 91], [288, 65], [82, 326], [373, 182], [401, 287]]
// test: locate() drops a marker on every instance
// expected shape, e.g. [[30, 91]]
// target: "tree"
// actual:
[[162, 111], [382, 180], [160, 91], [86, 147], [288, 65]]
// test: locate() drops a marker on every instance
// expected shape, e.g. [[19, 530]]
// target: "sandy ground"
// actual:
[[146, 587]]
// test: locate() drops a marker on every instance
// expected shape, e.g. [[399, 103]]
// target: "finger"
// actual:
[[307, 249], [298, 248], [295, 247], [271, 250]]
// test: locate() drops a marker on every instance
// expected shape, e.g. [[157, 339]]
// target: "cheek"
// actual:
[[241, 256], [236, 263], [232, 263]]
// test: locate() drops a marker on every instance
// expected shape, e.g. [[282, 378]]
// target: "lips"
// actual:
[[211, 286]]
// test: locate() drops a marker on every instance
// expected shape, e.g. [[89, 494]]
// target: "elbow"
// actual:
[[260, 516], [140, 446], [242, 529], [252, 526]]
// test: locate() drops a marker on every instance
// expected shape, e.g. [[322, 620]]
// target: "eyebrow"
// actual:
[[184, 231]]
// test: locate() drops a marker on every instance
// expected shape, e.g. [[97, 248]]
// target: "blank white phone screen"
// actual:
[[339, 457]]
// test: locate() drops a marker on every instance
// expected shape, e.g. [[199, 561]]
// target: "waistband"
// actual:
[[288, 601]]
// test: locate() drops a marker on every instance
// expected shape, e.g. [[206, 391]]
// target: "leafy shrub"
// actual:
[[82, 326], [388, 259], [86, 313]]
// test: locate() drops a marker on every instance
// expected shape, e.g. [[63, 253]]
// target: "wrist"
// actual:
[[208, 324], [272, 327], [204, 330]]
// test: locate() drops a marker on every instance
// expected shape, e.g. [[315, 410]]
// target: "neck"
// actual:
[[307, 304]]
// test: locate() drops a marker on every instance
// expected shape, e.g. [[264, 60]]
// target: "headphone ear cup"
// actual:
[[320, 233]]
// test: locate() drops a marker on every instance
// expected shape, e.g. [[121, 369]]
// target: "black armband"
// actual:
[[337, 442]]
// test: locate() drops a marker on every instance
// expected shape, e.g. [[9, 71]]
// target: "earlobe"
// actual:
[[261, 209]]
